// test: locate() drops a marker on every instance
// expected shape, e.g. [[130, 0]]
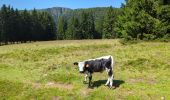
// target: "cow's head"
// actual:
[[80, 66]]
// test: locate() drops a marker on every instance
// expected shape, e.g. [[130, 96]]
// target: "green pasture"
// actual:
[[45, 71]]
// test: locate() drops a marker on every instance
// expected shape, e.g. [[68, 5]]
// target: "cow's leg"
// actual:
[[90, 79], [108, 80], [111, 81], [85, 78], [111, 78]]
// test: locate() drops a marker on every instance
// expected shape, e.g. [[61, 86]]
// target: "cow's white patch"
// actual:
[[103, 57], [107, 70], [81, 66], [111, 81], [108, 80]]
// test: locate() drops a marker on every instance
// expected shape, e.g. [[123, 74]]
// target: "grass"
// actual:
[[44, 70]]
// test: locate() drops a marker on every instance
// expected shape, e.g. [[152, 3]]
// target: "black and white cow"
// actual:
[[97, 65]]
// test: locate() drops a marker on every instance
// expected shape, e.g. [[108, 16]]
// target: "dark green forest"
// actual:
[[135, 20], [24, 26], [92, 23]]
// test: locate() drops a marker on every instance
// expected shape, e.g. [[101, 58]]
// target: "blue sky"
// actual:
[[39, 4]]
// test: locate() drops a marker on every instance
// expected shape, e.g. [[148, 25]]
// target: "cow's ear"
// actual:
[[87, 65], [75, 63]]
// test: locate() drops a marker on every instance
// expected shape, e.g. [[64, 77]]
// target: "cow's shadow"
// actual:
[[116, 83]]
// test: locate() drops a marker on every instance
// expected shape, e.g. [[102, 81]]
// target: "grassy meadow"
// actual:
[[45, 70]]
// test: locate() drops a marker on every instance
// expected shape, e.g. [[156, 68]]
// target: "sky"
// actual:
[[73, 4]]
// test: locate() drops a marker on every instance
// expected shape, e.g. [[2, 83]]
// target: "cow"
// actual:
[[97, 65]]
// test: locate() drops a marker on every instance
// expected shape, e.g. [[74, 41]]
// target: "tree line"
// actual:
[[86, 24], [22, 26], [136, 19], [75, 28], [26, 26]]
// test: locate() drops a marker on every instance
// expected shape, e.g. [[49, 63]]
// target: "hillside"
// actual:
[[98, 12], [56, 11], [44, 70]]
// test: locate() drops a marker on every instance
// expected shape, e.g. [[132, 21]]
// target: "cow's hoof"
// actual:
[[106, 85], [85, 82], [90, 87], [112, 87]]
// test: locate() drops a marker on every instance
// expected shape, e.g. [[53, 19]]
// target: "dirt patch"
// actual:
[[56, 98], [140, 80], [85, 91], [50, 85], [36, 85], [151, 81], [58, 85], [136, 80]]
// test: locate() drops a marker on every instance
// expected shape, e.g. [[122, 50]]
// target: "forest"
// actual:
[[136, 19]]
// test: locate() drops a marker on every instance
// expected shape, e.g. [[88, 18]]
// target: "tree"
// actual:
[[91, 29], [166, 2], [76, 24], [4, 24], [48, 26], [164, 16], [83, 26], [73, 28], [61, 28], [108, 25], [140, 20], [99, 28], [26, 26], [87, 27], [17, 26]]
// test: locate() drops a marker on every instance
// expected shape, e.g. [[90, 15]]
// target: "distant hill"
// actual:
[[99, 12], [56, 11]]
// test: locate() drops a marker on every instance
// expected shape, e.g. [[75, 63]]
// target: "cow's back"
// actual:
[[94, 66]]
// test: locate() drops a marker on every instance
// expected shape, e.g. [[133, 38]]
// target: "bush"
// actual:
[[166, 38], [149, 37], [126, 41]]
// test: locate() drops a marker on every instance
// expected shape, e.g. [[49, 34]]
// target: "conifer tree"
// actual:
[[61, 28], [108, 25]]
